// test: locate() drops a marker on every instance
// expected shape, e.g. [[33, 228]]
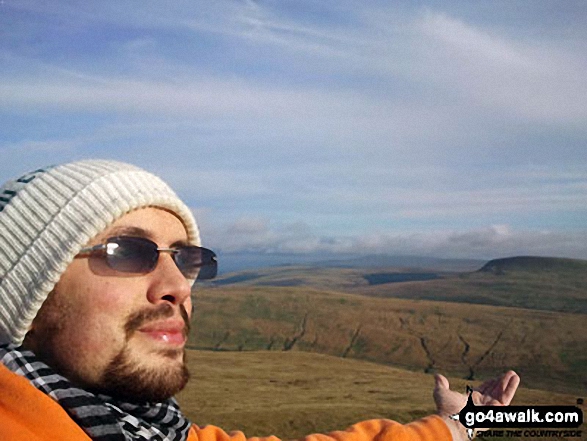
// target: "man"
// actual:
[[97, 259]]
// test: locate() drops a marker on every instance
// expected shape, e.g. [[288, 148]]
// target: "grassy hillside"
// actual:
[[325, 278], [547, 284], [465, 340], [526, 282], [291, 394]]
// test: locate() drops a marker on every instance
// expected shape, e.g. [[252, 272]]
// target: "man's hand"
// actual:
[[495, 392]]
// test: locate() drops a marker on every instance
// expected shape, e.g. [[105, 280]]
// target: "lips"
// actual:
[[173, 332]]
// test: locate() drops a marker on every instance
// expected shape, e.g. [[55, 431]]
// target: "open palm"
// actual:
[[494, 392]]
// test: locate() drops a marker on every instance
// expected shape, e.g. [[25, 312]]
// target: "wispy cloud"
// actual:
[[308, 126], [525, 79]]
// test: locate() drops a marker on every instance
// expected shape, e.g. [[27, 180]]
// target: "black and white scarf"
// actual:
[[101, 417]]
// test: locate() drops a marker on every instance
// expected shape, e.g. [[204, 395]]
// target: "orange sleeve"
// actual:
[[431, 428], [28, 414]]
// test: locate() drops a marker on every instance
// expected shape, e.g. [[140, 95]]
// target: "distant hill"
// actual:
[[566, 267], [284, 276], [549, 284], [543, 283], [386, 261], [252, 261]]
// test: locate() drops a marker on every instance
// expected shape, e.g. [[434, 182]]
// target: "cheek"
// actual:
[[95, 317], [110, 297], [107, 306]]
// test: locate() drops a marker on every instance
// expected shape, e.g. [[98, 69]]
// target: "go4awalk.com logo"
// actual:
[[538, 421]]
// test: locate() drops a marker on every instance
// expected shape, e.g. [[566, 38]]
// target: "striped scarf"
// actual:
[[101, 417]]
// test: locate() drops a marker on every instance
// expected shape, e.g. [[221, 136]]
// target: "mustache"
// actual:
[[143, 316]]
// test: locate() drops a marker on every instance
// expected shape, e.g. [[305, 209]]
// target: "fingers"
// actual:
[[441, 386], [487, 386], [496, 392], [500, 390], [510, 382], [441, 382]]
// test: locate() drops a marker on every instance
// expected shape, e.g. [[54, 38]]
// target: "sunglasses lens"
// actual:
[[140, 255], [131, 254], [196, 262]]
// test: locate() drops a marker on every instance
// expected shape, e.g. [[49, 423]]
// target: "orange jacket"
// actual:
[[27, 414]]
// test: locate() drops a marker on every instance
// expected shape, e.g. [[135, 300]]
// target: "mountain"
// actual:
[[545, 283], [567, 267]]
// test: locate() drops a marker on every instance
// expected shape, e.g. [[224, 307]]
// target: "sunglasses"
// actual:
[[138, 255]]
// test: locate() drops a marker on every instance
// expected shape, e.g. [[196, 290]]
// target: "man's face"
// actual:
[[119, 333]]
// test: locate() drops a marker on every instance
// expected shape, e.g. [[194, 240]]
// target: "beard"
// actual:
[[130, 379], [125, 379]]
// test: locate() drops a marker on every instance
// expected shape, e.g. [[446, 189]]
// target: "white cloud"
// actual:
[[489, 242]]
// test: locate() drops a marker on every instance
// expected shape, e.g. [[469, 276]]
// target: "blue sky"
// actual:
[[448, 129]]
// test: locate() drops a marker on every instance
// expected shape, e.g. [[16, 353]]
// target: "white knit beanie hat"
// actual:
[[49, 215]]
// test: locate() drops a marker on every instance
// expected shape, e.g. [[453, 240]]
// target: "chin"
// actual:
[[154, 377]]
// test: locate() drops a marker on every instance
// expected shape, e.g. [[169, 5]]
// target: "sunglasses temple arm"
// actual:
[[99, 247]]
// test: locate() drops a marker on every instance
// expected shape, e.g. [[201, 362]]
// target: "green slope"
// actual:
[[547, 284], [548, 348], [525, 313]]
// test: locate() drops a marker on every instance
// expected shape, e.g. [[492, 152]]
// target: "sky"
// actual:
[[446, 129]]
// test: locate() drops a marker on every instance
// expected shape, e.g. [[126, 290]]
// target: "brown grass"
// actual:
[[278, 365], [548, 349], [291, 394]]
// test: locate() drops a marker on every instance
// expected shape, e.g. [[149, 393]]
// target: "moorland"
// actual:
[[272, 339]]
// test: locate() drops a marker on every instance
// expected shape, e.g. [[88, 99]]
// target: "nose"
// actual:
[[168, 284]]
